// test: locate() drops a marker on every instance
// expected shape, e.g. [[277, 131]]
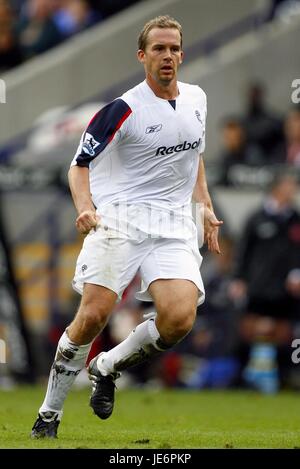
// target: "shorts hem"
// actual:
[[78, 287], [144, 295]]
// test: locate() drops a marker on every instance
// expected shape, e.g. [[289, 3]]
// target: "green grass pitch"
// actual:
[[158, 419]]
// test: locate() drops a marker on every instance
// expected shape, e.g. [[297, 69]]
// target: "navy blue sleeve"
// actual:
[[101, 130]]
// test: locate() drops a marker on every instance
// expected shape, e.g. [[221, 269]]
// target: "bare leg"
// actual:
[[176, 305], [95, 308], [74, 345], [176, 302]]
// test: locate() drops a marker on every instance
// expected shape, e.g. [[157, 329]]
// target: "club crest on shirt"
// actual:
[[198, 115], [153, 128], [89, 144]]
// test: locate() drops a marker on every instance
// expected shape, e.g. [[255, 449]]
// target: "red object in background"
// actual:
[[294, 233], [171, 366], [54, 335], [97, 347]]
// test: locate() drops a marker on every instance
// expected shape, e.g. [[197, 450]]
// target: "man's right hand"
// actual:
[[87, 220]]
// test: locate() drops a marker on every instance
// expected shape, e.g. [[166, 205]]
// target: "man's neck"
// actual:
[[169, 91]]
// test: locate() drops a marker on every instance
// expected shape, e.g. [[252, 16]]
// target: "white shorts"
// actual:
[[113, 262]]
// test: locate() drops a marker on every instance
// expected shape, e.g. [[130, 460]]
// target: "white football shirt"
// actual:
[[143, 154]]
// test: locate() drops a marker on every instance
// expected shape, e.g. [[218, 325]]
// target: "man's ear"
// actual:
[[181, 57], [141, 56]]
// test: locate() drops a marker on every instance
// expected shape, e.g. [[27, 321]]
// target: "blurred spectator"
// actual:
[[236, 149], [109, 7], [262, 126], [286, 10], [43, 24], [37, 31], [10, 55], [275, 6], [268, 274], [17, 5], [289, 150], [74, 16]]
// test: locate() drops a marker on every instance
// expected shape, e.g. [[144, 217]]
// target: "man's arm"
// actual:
[[211, 223], [80, 189], [200, 193], [105, 124]]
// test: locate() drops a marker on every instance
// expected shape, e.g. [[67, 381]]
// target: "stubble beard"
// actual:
[[165, 81]]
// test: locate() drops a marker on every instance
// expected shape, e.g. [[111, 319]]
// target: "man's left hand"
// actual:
[[211, 230]]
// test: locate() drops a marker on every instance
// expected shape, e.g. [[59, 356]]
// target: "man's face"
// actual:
[[233, 137], [162, 55], [286, 190]]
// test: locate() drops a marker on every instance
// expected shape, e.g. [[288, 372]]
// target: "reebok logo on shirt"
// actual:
[[153, 128], [181, 147]]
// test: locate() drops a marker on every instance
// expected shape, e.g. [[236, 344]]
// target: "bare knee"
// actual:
[[175, 323], [88, 323], [91, 317]]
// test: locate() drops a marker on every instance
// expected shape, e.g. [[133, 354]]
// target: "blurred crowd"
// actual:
[[259, 137], [31, 27]]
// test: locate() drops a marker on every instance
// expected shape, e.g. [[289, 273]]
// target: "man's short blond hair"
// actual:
[[158, 22]]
